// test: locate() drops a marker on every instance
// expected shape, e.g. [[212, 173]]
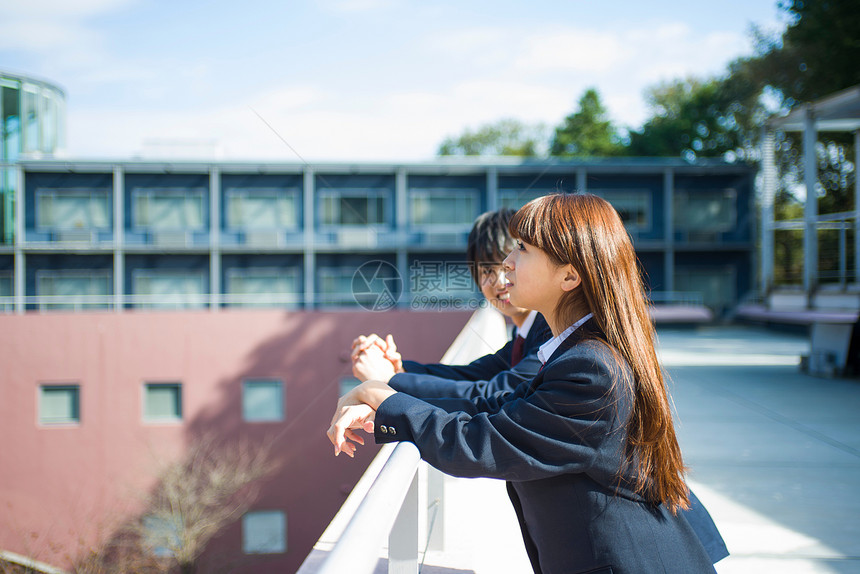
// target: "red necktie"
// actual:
[[517, 350]]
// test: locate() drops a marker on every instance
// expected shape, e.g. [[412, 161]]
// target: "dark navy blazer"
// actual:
[[427, 386], [559, 441]]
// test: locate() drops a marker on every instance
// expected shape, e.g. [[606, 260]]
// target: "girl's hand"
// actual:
[[356, 410], [364, 342], [367, 393], [342, 431], [393, 356], [372, 363]]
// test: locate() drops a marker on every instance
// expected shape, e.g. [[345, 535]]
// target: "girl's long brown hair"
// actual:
[[586, 232]]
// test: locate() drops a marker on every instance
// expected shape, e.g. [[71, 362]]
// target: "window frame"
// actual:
[[282, 406], [191, 300], [288, 193], [281, 545], [148, 419], [90, 274], [10, 277], [71, 421], [92, 194], [292, 274], [636, 193], [187, 193], [382, 193], [506, 192], [430, 193], [727, 192], [338, 297]]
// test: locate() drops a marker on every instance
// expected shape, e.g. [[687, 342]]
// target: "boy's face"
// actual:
[[492, 281]]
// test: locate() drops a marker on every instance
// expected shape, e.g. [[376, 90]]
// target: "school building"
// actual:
[[145, 305]]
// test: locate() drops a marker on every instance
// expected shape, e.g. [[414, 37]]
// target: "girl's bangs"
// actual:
[[525, 224]]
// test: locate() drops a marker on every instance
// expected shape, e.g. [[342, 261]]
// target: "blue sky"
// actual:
[[367, 80]]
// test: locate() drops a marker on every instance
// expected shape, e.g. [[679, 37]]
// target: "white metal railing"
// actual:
[[388, 498], [28, 564], [11, 303]]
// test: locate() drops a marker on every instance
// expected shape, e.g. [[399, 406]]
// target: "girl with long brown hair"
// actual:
[[588, 446]]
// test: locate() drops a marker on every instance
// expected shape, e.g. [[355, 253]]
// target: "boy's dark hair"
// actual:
[[489, 241]]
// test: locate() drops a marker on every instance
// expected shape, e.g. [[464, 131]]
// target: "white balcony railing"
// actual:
[[398, 496]]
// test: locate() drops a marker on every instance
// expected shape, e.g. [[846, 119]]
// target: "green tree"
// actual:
[[819, 52], [716, 117], [504, 137], [588, 131]]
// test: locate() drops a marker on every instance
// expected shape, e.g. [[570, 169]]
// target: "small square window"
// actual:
[[59, 404], [264, 532], [162, 402], [262, 401]]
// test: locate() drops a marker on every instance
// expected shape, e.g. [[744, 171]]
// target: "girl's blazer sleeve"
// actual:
[[426, 386], [565, 422], [482, 368]]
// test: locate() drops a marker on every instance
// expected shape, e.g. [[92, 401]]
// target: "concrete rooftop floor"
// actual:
[[774, 455]]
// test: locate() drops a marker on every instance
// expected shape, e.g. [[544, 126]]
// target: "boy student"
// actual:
[[500, 372]]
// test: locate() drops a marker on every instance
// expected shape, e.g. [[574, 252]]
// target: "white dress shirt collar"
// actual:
[[523, 331], [547, 349]]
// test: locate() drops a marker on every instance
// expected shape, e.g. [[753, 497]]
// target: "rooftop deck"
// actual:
[[774, 454]]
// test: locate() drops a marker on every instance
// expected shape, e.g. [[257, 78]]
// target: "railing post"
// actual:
[[403, 540], [436, 509]]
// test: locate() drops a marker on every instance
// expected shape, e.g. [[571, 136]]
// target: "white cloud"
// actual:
[[572, 50], [497, 98]]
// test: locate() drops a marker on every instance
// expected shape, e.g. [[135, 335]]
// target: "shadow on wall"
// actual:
[[229, 465]]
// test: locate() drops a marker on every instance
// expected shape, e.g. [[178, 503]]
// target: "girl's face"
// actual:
[[494, 288], [533, 280]]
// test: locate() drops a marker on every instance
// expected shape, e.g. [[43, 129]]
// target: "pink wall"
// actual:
[[61, 488]]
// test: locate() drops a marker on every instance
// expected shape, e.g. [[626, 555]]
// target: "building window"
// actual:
[[705, 211], [180, 209], [374, 285], [73, 209], [10, 121], [716, 287], [262, 208], [263, 287], [353, 207], [50, 137], [433, 280], [59, 404], [6, 291], [162, 402], [31, 118], [167, 289], [516, 198], [262, 401], [634, 207], [264, 532], [443, 208], [77, 289], [335, 285]]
